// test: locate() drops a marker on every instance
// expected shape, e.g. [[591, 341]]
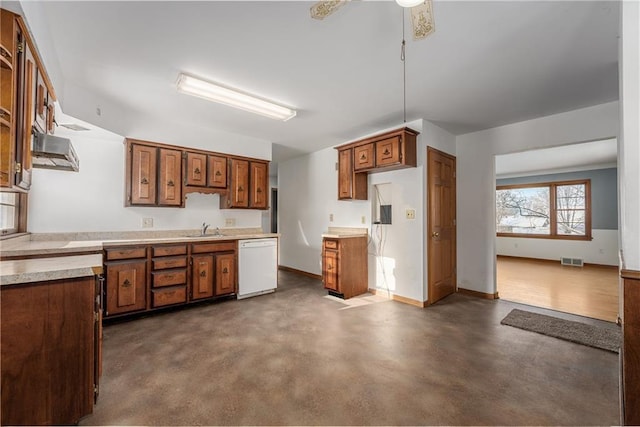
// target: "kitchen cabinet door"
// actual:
[[126, 287], [196, 169], [143, 175], [239, 197], [363, 157], [259, 180], [330, 270], [351, 185], [202, 277], [27, 87], [170, 178], [225, 274], [217, 172]]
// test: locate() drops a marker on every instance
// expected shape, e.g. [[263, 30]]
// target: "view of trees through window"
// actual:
[[547, 209]]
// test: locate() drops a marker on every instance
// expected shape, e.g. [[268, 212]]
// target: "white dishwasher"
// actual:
[[257, 267]]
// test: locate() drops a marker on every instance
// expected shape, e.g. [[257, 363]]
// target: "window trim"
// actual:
[[20, 217], [553, 210]]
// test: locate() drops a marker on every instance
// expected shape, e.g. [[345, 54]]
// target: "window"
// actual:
[[9, 213], [554, 210]]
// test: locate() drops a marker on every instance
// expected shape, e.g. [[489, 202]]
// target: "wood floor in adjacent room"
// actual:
[[590, 291], [296, 357]]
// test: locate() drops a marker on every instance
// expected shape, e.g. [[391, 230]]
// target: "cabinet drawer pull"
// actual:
[[259, 190], [126, 283], [197, 171], [363, 157], [218, 173], [203, 273], [144, 181], [386, 152], [170, 183], [240, 188], [225, 270], [329, 267]]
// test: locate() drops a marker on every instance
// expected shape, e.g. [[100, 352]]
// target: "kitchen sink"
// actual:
[[205, 236]]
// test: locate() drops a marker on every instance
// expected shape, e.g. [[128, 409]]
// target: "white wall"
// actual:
[[93, 199], [629, 143], [308, 195], [476, 179], [603, 249]]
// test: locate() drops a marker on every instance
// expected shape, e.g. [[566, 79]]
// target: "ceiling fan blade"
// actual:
[[422, 20], [322, 9]]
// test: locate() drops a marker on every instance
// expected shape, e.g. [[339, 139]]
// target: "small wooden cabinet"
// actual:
[[351, 185], [153, 175], [51, 351], [249, 185], [168, 275], [388, 151], [126, 287], [226, 282], [196, 169], [202, 276], [344, 266], [217, 172]]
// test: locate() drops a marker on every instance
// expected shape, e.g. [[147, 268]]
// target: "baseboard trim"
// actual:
[[304, 273], [478, 294], [399, 298]]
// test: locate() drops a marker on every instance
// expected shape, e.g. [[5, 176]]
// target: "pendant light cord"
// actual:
[[404, 73]]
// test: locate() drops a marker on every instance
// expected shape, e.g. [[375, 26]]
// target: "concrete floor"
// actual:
[[298, 358]]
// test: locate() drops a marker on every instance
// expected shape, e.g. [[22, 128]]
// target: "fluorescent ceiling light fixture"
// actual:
[[409, 3], [233, 98]]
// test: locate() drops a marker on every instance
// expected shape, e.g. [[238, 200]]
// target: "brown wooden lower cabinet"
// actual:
[[126, 286], [202, 277], [50, 349], [225, 274], [344, 266]]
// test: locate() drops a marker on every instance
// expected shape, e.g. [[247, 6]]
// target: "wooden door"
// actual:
[[441, 224], [239, 183], [202, 276], [143, 174], [126, 287], [217, 172], [259, 178], [170, 178], [197, 169], [330, 270], [225, 274]]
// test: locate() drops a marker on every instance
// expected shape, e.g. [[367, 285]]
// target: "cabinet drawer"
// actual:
[[388, 152], [331, 244], [168, 296], [200, 248], [169, 277], [126, 253], [169, 262], [169, 250], [363, 157]]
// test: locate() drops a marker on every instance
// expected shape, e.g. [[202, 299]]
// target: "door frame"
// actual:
[[430, 290]]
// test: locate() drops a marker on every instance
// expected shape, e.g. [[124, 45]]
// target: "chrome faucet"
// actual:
[[217, 232], [203, 231]]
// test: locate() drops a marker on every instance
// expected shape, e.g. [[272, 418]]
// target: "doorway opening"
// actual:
[[557, 228]]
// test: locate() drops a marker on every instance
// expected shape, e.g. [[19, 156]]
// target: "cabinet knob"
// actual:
[[225, 271], [240, 188], [329, 267], [170, 183], [363, 156], [144, 181], [126, 283], [203, 273], [197, 171], [386, 152], [218, 173], [259, 190]]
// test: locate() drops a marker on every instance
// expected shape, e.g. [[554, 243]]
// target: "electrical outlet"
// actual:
[[147, 222], [410, 213], [330, 217], [363, 219], [230, 222]]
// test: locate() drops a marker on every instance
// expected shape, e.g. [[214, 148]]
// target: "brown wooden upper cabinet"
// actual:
[[217, 172], [153, 175], [248, 187], [384, 152], [351, 185], [196, 169], [259, 181], [364, 157]]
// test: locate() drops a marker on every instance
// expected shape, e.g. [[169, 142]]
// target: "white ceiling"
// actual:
[[566, 158], [487, 64]]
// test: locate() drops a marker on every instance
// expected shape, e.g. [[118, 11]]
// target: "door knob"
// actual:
[[435, 234]]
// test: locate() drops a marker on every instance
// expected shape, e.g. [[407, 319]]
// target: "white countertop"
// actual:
[[45, 269]]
